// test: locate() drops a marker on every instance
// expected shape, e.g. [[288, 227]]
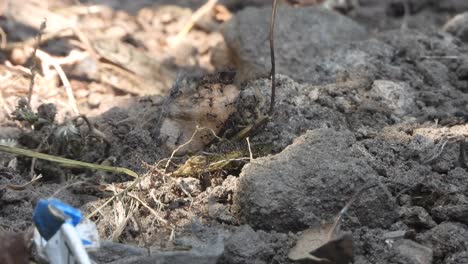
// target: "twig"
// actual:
[[33, 58], [227, 161], [442, 57], [122, 219], [159, 218], [250, 150], [186, 193], [272, 55], [346, 207], [194, 18], [24, 186], [179, 147], [120, 194], [197, 129], [38, 149], [72, 58], [63, 77], [439, 148], [92, 130]]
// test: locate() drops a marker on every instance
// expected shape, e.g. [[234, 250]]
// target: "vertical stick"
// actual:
[[272, 55], [33, 57]]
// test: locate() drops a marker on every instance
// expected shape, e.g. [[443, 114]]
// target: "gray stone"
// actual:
[[451, 212], [190, 186], [206, 246], [445, 239], [246, 245], [410, 252], [309, 182], [396, 96], [417, 217], [302, 34], [458, 26]]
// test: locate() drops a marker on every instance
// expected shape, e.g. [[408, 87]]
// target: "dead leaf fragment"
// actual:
[[314, 246]]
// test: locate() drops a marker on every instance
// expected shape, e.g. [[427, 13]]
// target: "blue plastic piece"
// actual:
[[47, 223]]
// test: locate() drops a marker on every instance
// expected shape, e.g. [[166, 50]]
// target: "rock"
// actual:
[[309, 182], [94, 100], [454, 212], [417, 217], [224, 192], [394, 234], [221, 213], [206, 246], [190, 186], [445, 239], [458, 258], [196, 104], [410, 252], [297, 106], [458, 26], [248, 246], [396, 96], [301, 36]]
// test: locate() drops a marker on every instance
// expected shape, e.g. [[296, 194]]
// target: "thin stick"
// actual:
[[195, 17], [179, 147], [24, 186], [272, 55], [250, 150], [33, 57], [158, 218], [197, 129], [92, 130], [63, 77], [346, 207], [120, 194]]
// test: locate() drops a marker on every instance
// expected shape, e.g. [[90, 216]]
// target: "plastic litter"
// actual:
[[62, 235]]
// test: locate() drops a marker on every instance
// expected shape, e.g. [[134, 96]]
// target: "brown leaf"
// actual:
[[314, 246]]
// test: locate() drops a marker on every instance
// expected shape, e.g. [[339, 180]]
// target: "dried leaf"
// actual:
[[314, 246]]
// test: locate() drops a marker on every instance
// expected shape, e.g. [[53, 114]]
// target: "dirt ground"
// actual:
[[369, 94]]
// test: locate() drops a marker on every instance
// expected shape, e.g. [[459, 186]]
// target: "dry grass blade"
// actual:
[[336, 223], [68, 162], [24, 186], [122, 215], [198, 129], [209, 5], [158, 218], [272, 55], [250, 149], [120, 194], [44, 57]]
